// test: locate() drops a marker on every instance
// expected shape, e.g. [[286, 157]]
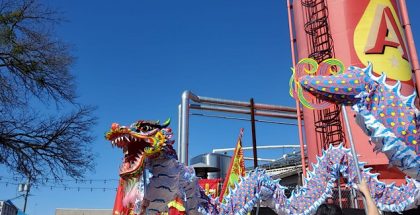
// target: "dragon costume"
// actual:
[[391, 120], [153, 181]]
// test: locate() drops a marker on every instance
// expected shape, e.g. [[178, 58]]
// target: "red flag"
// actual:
[[236, 168], [210, 186]]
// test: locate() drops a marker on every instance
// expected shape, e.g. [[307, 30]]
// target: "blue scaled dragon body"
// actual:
[[151, 177]]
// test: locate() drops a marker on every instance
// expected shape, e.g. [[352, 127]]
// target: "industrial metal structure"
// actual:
[[217, 161], [258, 147], [191, 101]]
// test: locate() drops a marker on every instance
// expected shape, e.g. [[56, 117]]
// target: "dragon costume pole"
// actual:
[[353, 151]]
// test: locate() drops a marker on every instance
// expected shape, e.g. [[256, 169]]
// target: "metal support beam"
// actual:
[[254, 135], [242, 119], [221, 105], [258, 147], [185, 111], [243, 111], [257, 106], [179, 132], [260, 159]]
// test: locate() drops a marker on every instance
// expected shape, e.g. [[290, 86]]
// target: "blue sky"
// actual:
[[135, 58]]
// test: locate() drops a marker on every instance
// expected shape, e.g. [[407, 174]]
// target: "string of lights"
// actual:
[[55, 180], [63, 187]]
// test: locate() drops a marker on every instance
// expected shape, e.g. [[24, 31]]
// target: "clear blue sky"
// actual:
[[135, 58]]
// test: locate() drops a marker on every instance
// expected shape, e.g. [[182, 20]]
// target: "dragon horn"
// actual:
[[166, 123]]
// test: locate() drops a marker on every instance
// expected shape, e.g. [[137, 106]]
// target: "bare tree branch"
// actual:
[[53, 146], [35, 64], [31, 58]]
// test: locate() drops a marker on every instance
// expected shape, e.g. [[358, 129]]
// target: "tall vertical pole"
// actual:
[[353, 152], [298, 111], [254, 138], [185, 111], [254, 142], [411, 48], [26, 189], [179, 132], [410, 43]]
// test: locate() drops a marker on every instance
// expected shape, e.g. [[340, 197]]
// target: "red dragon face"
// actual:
[[141, 140]]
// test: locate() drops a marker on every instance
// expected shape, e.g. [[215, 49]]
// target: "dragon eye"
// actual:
[[146, 128]]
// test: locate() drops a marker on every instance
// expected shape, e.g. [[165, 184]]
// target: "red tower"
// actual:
[[355, 32]]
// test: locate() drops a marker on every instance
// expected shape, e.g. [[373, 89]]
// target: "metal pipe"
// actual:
[[266, 110], [242, 119], [258, 106], [242, 111], [254, 135], [179, 132], [185, 111], [260, 159], [298, 111], [410, 43], [353, 152], [254, 142], [258, 147]]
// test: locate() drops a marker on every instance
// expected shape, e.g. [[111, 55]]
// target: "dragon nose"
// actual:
[[115, 126]]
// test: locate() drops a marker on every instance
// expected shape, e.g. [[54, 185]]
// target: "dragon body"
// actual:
[[390, 119], [152, 178]]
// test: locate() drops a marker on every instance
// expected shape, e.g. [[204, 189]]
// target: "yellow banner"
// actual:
[[236, 169]]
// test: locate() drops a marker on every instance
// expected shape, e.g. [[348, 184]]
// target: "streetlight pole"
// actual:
[[26, 189]]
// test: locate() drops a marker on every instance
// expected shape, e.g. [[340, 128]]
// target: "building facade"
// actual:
[[7, 208]]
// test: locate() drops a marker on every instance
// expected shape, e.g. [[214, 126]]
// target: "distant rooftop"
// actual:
[[290, 159], [82, 211]]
